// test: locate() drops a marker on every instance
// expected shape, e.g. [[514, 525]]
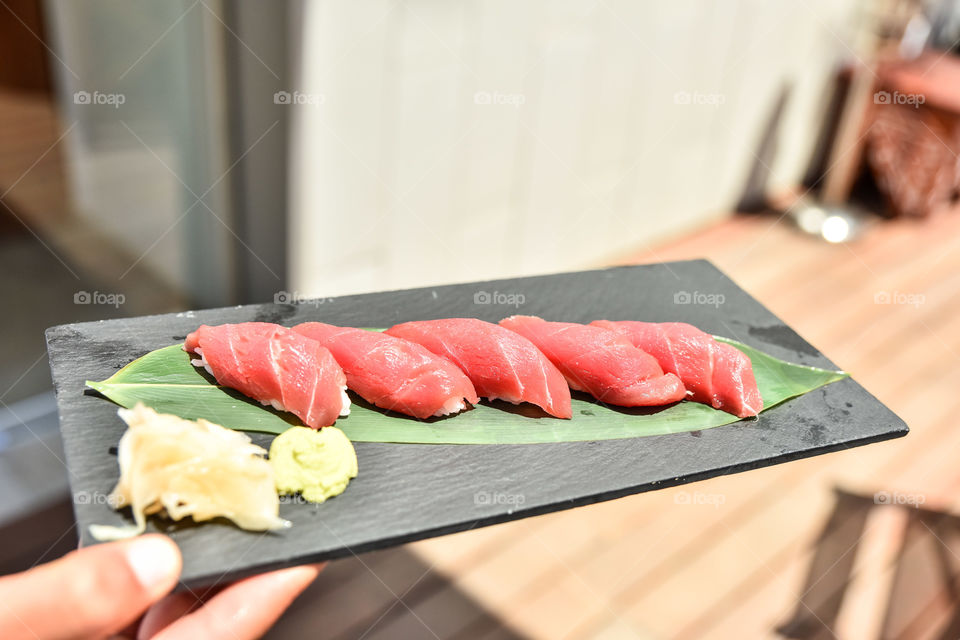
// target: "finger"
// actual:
[[92, 592], [165, 612], [246, 609], [174, 607]]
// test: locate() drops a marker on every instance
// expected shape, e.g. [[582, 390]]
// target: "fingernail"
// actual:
[[302, 575], [155, 562]]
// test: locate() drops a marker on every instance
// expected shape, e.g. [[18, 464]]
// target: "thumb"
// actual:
[[93, 592]]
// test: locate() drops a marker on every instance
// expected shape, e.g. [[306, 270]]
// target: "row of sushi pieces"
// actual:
[[437, 367]]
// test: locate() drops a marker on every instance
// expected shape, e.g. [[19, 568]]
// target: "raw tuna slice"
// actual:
[[734, 385], [500, 363], [687, 354], [714, 373], [393, 373], [601, 362], [275, 366]]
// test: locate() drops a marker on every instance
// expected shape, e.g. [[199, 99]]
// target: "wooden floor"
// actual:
[[827, 547]]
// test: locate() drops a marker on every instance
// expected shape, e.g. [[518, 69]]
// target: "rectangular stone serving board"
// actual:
[[409, 492]]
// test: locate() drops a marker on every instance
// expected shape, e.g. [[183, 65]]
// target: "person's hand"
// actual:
[[105, 589]]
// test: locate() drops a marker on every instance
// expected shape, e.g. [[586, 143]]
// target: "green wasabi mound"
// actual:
[[316, 464]]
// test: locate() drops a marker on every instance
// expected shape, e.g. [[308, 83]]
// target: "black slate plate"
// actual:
[[409, 492]]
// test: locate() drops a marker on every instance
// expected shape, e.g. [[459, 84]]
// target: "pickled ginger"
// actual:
[[179, 468]]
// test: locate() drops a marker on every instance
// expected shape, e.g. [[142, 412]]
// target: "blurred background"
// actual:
[[157, 157]]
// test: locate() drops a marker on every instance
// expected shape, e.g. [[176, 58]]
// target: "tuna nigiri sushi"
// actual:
[[500, 363], [393, 373], [713, 372], [601, 362], [275, 366]]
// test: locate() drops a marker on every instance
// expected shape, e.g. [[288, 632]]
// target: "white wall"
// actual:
[[403, 175]]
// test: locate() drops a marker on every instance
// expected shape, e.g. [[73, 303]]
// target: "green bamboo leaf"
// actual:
[[166, 381]]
